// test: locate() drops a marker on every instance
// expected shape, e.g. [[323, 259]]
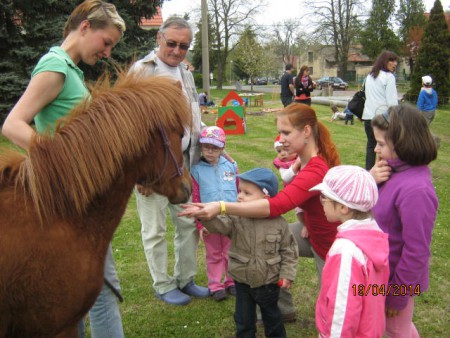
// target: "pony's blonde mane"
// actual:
[[65, 171]]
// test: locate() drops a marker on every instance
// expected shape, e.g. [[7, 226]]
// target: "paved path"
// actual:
[[340, 97]]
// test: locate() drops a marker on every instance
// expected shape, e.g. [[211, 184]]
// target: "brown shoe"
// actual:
[[289, 317], [219, 295]]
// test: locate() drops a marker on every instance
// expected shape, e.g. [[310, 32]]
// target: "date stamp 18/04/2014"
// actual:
[[386, 290]]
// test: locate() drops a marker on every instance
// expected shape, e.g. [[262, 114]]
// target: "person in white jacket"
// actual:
[[381, 92], [351, 298]]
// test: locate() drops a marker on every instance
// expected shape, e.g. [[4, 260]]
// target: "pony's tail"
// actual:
[[327, 148]]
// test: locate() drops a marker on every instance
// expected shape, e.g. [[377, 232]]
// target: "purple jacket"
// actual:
[[406, 210]]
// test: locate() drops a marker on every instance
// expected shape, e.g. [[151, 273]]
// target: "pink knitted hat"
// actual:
[[351, 186]]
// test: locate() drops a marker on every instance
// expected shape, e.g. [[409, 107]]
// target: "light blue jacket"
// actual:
[[216, 183]]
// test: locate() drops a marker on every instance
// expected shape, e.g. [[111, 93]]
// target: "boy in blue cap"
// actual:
[[262, 257]]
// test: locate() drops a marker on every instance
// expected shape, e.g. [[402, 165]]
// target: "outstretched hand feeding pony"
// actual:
[[61, 203]]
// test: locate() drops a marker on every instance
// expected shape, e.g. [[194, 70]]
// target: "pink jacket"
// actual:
[[351, 300]]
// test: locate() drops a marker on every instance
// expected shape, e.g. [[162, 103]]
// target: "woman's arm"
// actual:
[[254, 209], [42, 89]]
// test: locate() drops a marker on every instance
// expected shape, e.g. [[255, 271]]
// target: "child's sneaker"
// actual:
[[219, 295], [231, 290]]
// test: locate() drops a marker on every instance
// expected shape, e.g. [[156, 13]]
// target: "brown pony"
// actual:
[[60, 204]]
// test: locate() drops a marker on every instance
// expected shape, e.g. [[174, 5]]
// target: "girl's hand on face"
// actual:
[[390, 312], [381, 171]]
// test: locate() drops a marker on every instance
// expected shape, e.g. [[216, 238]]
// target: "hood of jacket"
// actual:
[[369, 239]]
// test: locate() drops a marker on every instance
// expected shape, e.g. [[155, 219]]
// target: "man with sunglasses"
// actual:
[[174, 38]]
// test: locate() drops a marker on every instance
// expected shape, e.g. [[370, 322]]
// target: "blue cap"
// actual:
[[264, 178]]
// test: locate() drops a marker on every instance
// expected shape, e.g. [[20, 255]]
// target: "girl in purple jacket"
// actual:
[[406, 209]]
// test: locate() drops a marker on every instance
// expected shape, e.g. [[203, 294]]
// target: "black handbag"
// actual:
[[356, 104]]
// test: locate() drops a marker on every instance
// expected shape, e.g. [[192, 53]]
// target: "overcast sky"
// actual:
[[276, 10]]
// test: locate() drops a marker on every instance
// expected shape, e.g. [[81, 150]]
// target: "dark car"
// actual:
[[262, 81], [334, 81]]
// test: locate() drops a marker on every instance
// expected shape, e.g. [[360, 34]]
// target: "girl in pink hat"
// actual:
[[351, 298], [214, 179]]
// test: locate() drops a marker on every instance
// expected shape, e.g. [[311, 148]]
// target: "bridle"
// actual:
[[179, 170]]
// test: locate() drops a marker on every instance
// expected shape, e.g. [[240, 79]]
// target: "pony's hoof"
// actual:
[[174, 297]]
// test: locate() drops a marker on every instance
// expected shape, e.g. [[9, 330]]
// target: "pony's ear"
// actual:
[[179, 85]]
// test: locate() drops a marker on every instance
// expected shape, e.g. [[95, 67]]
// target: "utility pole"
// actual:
[[205, 45]]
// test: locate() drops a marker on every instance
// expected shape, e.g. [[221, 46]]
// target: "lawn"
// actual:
[[146, 316]]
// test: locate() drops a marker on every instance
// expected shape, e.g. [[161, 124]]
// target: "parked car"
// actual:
[[334, 81], [275, 81], [262, 81]]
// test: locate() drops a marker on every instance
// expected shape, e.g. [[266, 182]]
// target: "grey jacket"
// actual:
[[262, 250], [147, 67]]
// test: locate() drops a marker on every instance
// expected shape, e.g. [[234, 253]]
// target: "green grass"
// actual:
[[145, 316]]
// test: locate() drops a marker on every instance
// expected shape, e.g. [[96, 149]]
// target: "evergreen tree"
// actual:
[[377, 34], [28, 28], [433, 57]]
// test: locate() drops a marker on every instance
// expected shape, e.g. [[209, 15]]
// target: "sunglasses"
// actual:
[[173, 44]]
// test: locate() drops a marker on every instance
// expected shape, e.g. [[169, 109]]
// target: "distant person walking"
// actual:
[[428, 99], [381, 92], [287, 86]]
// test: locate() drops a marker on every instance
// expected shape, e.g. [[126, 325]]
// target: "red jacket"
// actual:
[[297, 194]]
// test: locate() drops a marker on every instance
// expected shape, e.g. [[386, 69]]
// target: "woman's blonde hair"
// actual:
[[100, 15]]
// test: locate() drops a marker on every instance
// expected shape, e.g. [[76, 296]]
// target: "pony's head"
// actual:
[[131, 131]]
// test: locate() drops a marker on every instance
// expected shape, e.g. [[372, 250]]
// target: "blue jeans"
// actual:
[[266, 297], [104, 315]]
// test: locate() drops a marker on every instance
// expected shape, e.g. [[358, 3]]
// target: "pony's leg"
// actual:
[[69, 332]]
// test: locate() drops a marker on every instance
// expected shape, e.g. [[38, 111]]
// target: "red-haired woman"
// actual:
[[300, 133]]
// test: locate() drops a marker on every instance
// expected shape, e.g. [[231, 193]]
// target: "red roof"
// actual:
[[155, 22]]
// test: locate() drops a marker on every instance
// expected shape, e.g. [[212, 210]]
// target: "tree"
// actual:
[[285, 36], [197, 48], [433, 56], [377, 34], [410, 14], [249, 55], [29, 28], [336, 23], [228, 16], [411, 20]]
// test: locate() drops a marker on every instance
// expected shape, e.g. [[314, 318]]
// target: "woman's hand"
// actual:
[[304, 233], [205, 211], [381, 171]]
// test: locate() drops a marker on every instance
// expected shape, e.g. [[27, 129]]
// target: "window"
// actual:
[[310, 56]]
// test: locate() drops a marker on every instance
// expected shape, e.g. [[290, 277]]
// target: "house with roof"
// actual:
[[322, 62]]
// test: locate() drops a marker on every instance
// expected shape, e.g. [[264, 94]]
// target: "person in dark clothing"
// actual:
[[287, 86]]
